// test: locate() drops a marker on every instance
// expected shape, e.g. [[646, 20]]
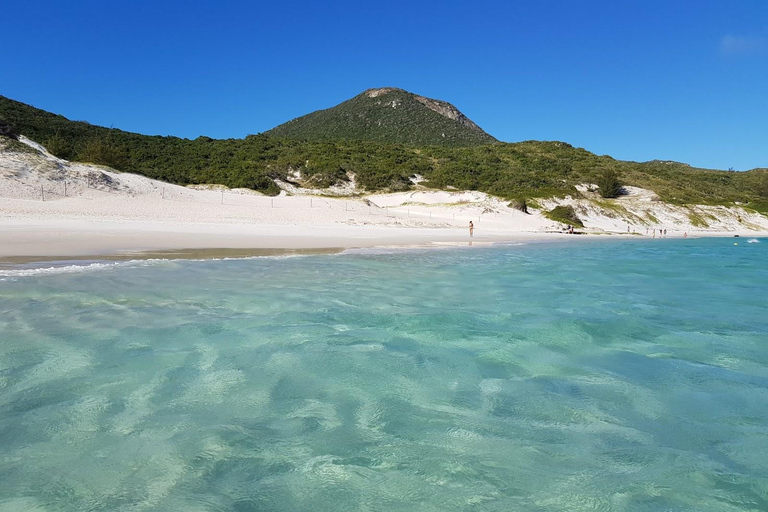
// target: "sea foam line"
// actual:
[[107, 265], [74, 269]]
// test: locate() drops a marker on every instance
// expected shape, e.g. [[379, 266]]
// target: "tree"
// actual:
[[58, 146], [609, 184]]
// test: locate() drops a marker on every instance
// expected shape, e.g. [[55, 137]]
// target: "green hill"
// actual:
[[528, 169], [387, 115]]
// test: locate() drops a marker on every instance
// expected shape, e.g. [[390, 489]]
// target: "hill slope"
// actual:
[[387, 115], [532, 169]]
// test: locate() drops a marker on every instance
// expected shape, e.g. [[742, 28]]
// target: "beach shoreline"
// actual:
[[51, 210], [31, 241], [27, 240]]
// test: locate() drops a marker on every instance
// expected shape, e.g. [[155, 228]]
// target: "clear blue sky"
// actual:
[[682, 80]]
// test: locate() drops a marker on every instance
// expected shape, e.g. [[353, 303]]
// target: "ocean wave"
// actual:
[[74, 268], [68, 267]]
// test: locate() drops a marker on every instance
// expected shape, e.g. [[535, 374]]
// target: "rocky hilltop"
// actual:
[[388, 114]]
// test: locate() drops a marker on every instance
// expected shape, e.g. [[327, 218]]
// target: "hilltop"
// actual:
[[390, 115]]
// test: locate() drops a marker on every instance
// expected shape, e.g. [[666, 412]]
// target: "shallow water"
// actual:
[[609, 375]]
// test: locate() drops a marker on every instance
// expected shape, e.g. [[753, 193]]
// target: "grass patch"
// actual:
[[532, 203], [697, 220], [564, 214], [618, 211], [13, 146], [651, 217]]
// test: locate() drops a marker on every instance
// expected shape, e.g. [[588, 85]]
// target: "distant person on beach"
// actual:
[[685, 235], [471, 229], [665, 232]]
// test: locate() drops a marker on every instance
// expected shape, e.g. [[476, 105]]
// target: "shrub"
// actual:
[[104, 152], [7, 130], [609, 184], [14, 146], [762, 186], [329, 178], [565, 214], [519, 204], [58, 146]]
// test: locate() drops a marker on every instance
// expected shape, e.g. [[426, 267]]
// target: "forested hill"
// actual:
[[388, 115], [512, 170]]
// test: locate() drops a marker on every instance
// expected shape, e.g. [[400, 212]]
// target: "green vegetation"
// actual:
[[612, 209], [529, 170], [11, 145], [104, 151], [609, 184], [697, 220], [8, 130], [519, 204], [565, 214], [387, 115], [651, 217]]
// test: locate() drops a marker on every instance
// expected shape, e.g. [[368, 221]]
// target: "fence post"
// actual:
[[65, 188], [42, 193], [222, 197], [272, 201]]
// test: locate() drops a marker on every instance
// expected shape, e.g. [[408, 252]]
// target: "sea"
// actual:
[[599, 375]]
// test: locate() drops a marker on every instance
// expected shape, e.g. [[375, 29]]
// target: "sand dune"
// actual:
[[53, 207]]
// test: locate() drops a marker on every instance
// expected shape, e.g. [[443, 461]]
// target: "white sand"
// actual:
[[105, 212]]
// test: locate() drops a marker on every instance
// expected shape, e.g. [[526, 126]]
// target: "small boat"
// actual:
[[753, 241]]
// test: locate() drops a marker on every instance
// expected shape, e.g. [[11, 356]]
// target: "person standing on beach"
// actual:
[[471, 229]]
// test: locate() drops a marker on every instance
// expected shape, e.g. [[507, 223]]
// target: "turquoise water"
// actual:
[[610, 375]]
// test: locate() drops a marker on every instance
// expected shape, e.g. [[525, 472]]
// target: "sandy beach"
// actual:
[[130, 225], [51, 208]]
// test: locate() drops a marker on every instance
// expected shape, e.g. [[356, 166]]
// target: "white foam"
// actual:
[[75, 268]]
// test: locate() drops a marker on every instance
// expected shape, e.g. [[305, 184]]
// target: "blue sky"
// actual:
[[676, 80]]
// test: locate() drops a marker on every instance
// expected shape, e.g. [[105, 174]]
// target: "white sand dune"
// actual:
[[51, 207]]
